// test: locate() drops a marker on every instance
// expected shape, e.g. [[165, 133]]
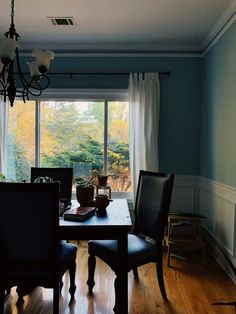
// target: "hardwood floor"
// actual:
[[191, 288]]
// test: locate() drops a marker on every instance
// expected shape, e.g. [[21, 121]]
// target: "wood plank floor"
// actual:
[[191, 288]]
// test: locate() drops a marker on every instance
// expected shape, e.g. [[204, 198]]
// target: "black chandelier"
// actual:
[[10, 66]]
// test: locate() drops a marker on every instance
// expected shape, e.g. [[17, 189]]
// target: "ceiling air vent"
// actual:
[[68, 20]]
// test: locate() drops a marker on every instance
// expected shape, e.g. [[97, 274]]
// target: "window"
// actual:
[[89, 135], [21, 140]]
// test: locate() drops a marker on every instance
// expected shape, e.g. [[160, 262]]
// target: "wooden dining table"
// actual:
[[114, 225]]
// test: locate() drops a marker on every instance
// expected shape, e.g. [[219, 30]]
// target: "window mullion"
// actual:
[[37, 133], [105, 147]]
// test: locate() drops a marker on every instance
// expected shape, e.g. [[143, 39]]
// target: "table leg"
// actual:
[[121, 282]]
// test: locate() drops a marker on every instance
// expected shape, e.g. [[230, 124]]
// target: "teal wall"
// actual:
[[179, 136], [218, 130]]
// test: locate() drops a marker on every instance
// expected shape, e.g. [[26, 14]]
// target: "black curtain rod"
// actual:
[[98, 73], [95, 73]]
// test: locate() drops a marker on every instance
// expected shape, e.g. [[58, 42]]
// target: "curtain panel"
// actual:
[[144, 100]]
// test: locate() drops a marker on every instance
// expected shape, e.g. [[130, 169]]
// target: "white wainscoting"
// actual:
[[217, 202], [185, 194]]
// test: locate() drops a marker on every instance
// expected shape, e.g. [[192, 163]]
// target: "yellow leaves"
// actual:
[[119, 130]]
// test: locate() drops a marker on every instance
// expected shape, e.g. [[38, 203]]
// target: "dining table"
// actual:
[[115, 224]]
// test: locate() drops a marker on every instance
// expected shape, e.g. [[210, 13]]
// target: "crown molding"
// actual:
[[122, 54], [127, 48], [226, 19]]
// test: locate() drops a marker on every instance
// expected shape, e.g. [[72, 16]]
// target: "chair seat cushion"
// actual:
[[140, 251], [40, 274]]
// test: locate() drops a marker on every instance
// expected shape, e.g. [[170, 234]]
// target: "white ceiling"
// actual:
[[119, 24]]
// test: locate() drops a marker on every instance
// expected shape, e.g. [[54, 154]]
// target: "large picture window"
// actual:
[[89, 135]]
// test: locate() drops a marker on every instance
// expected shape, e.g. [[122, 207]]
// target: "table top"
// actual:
[[117, 219]]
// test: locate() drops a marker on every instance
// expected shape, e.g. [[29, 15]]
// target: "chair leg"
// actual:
[[117, 284], [91, 270], [135, 272], [21, 291], [72, 270], [159, 269], [56, 292], [168, 256]]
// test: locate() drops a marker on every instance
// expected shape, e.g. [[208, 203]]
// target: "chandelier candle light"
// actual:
[[9, 55]]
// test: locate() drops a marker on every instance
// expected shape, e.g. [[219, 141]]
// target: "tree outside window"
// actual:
[[71, 133]]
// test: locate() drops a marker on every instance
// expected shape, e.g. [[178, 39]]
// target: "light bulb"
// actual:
[[34, 70], [7, 49], [43, 59]]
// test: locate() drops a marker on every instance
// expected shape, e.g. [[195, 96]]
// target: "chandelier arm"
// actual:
[[24, 82], [3, 87], [34, 94], [3, 92], [41, 77], [25, 94], [33, 86], [3, 73], [30, 89], [35, 83]]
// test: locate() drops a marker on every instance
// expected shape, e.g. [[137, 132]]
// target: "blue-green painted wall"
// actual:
[[179, 136], [218, 131]]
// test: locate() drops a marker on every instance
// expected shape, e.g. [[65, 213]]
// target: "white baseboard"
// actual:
[[216, 252]]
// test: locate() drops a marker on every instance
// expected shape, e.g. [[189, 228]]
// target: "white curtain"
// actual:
[[144, 100], [4, 107]]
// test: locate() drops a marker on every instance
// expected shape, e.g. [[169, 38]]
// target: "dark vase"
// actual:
[[85, 195], [102, 180]]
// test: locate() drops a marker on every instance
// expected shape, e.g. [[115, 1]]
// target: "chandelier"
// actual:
[[10, 66]]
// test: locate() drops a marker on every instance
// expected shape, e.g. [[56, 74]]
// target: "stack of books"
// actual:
[[79, 213]]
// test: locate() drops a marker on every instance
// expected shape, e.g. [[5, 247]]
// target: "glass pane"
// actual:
[[118, 146], [21, 140], [72, 133]]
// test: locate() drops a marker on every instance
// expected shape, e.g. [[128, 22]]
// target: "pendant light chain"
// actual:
[[12, 11]]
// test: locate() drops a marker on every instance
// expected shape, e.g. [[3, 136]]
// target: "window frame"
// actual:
[[105, 95]]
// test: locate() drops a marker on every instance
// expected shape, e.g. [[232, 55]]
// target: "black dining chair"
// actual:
[[151, 215], [63, 175], [31, 254]]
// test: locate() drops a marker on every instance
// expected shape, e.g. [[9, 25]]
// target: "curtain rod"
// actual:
[[100, 73], [96, 73]]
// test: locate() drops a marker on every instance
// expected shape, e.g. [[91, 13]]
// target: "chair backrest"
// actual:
[[29, 224], [152, 203], [63, 175]]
